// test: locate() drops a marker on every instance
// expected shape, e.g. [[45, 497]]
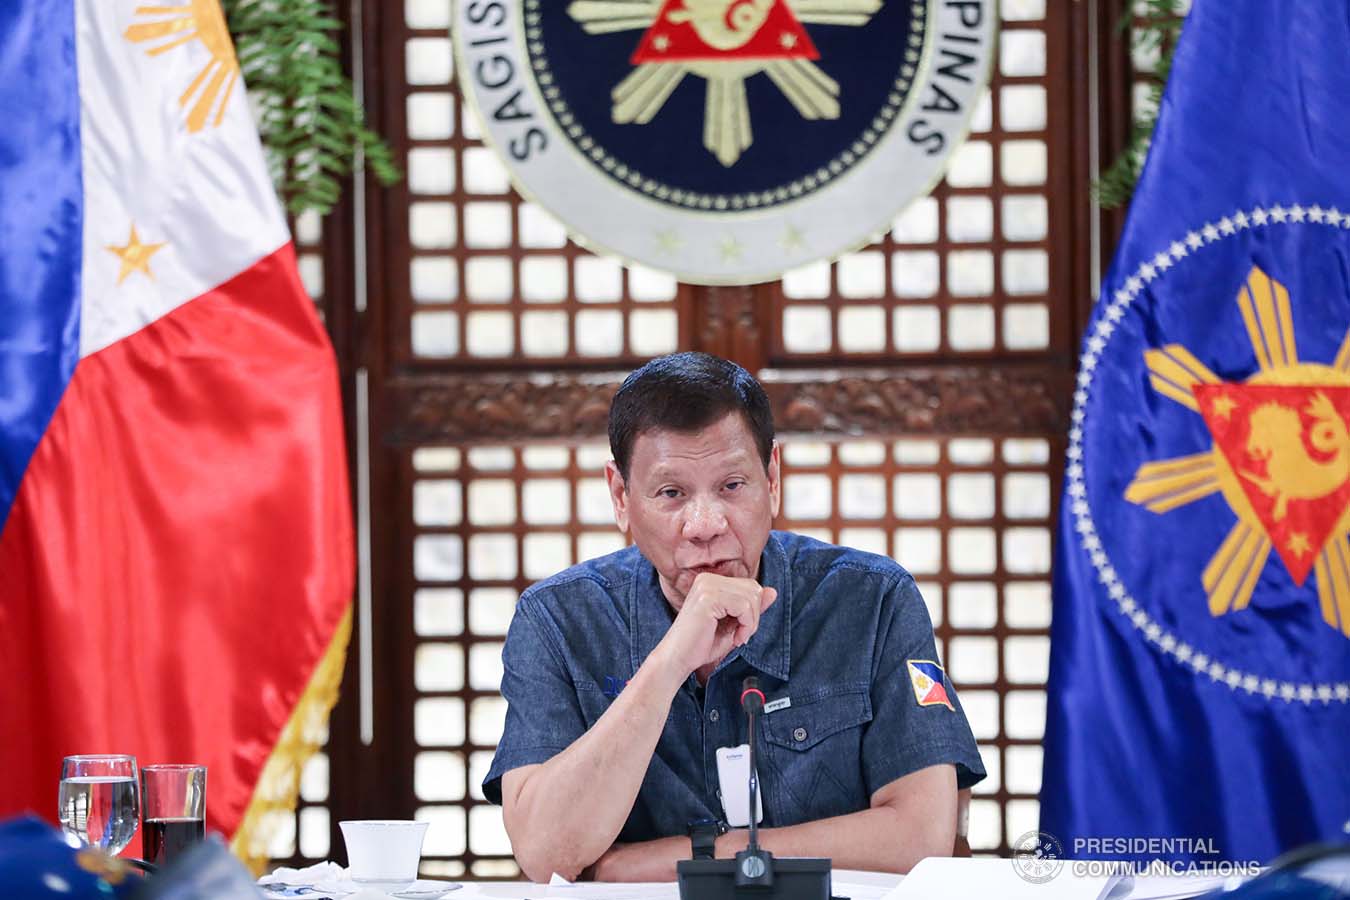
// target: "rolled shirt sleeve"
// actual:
[[543, 716], [909, 732]]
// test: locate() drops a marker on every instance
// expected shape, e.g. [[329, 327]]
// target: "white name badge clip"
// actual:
[[733, 780]]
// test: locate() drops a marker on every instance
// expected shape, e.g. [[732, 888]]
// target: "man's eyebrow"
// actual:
[[667, 472]]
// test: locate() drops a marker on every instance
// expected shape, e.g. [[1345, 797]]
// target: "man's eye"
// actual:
[[670, 493], [735, 485]]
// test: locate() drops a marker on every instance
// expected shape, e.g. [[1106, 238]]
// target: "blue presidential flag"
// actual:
[[1199, 698]]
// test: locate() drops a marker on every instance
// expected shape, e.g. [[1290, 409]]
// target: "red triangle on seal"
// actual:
[[724, 30], [1289, 449]]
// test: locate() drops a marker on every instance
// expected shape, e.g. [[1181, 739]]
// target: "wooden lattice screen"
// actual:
[[921, 386]]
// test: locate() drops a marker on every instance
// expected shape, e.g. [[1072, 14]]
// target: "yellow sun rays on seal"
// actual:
[[174, 26], [1230, 577], [726, 115]]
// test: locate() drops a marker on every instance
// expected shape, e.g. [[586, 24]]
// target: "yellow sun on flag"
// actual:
[[198, 20], [1280, 457]]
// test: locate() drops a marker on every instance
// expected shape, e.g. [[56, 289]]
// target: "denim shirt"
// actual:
[[835, 649]]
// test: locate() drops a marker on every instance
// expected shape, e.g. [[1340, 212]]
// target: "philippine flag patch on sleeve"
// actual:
[[929, 683]]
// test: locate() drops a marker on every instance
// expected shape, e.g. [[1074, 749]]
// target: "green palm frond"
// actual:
[[1153, 26], [312, 128]]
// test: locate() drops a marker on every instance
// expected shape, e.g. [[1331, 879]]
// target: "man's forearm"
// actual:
[[870, 840], [880, 839], [873, 840], [911, 818], [569, 810]]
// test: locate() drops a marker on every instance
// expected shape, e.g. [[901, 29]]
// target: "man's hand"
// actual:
[[562, 815], [718, 615]]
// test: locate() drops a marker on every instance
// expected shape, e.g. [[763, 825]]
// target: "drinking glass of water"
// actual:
[[99, 800]]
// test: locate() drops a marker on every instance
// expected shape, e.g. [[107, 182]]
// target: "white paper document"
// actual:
[[560, 888], [1177, 887], [610, 891], [941, 878], [932, 879], [846, 883], [857, 885]]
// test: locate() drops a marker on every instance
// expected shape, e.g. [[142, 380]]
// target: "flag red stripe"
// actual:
[[937, 694], [179, 552]]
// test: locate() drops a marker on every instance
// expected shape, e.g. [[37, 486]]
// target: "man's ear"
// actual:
[[775, 480], [618, 495]]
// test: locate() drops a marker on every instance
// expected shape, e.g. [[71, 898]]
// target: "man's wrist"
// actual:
[[732, 842], [666, 668], [703, 835]]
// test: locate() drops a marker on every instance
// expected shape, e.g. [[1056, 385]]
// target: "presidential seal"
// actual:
[[725, 141]]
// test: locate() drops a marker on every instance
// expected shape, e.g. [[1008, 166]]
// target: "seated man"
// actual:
[[623, 674]]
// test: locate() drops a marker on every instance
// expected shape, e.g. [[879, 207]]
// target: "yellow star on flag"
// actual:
[[1223, 406], [135, 255], [1298, 544]]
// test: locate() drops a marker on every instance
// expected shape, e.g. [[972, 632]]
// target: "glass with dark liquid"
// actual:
[[173, 804]]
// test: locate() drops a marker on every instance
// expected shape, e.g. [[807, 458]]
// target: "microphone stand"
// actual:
[[754, 874], [754, 866]]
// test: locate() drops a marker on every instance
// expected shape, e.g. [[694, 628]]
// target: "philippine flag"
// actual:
[[928, 680], [175, 532]]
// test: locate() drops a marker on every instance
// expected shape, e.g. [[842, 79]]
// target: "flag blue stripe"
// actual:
[[1142, 739], [929, 669], [41, 224]]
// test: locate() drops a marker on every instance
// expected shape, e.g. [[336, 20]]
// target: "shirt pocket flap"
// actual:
[[803, 725]]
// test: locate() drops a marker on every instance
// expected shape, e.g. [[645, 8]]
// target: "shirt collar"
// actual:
[[769, 649]]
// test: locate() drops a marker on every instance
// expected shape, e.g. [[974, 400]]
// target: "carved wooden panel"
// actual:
[[923, 383], [954, 400]]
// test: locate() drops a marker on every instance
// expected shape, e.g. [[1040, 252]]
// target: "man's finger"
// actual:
[[749, 620], [728, 638], [766, 598]]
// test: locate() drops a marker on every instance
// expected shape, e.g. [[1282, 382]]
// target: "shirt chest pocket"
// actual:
[[812, 765]]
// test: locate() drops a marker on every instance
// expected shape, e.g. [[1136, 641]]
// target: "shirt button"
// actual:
[[714, 716], [799, 734]]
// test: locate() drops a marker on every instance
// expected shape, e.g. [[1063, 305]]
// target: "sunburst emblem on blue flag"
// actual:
[[1243, 489]]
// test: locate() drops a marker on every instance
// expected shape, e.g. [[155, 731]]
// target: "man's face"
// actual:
[[697, 502]]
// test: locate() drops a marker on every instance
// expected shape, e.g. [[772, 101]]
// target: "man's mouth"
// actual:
[[717, 568]]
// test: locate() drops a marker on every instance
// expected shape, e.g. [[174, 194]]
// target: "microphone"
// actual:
[[756, 867], [754, 874], [752, 698]]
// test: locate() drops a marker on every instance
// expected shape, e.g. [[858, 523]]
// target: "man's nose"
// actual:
[[705, 520]]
